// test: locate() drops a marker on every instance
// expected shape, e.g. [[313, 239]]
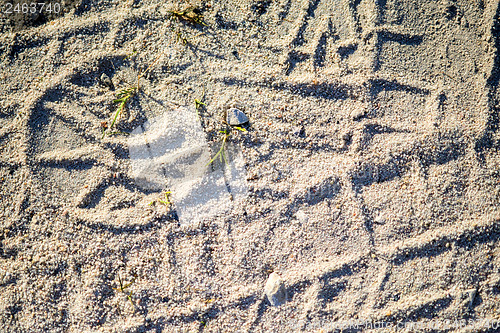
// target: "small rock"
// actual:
[[299, 131], [472, 296], [236, 117], [357, 114], [380, 219], [275, 290], [106, 80], [301, 216]]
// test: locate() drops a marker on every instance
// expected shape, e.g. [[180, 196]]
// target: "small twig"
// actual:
[[147, 70]]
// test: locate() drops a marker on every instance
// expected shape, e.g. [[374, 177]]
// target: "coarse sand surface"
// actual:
[[371, 161]]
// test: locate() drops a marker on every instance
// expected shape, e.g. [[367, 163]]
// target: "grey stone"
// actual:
[[275, 290], [106, 80], [299, 131], [236, 117], [472, 296]]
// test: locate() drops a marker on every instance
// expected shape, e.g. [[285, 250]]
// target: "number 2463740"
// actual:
[[31, 8]]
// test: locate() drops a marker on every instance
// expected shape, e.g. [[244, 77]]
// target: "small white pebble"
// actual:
[[380, 219], [301, 216], [275, 290]]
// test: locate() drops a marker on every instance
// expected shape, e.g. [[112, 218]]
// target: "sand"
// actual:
[[371, 162]]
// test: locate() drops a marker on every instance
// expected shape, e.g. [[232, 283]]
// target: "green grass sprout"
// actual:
[[221, 154], [191, 15], [179, 38], [166, 202], [241, 129], [122, 288], [199, 104], [131, 55], [124, 97]]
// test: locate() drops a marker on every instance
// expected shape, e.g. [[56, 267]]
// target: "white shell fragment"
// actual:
[[275, 290], [106, 80], [236, 117]]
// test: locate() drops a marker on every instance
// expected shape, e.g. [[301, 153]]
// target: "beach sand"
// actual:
[[371, 161]]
